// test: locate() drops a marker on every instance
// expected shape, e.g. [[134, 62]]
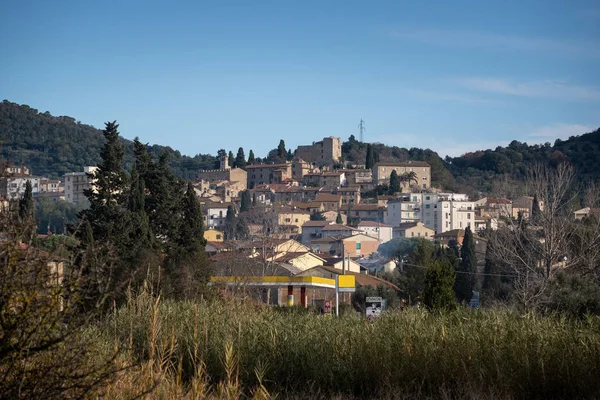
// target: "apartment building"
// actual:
[[76, 183], [438, 211]]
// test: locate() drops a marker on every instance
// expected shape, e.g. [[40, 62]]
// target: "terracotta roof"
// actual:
[[338, 227], [328, 197], [289, 256], [328, 239], [403, 164], [373, 224], [498, 201], [335, 173], [316, 223], [349, 189], [298, 204], [453, 233], [267, 166], [360, 207], [218, 245]]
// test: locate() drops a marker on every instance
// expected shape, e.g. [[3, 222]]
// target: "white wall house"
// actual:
[[383, 232], [214, 214]]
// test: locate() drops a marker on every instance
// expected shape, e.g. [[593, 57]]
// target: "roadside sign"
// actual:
[[374, 306], [346, 283], [327, 306], [474, 300]]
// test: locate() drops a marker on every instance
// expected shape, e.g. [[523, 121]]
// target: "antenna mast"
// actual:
[[362, 128]]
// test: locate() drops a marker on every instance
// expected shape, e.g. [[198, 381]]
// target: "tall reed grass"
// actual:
[[235, 350]]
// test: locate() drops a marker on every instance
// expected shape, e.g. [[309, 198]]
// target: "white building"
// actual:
[[383, 232], [215, 214], [76, 183], [438, 211], [14, 186]]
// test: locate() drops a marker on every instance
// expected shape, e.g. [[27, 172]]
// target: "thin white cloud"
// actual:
[[454, 97], [538, 89], [496, 42], [559, 131]]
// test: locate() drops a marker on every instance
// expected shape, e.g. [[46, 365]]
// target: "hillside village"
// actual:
[[314, 215]]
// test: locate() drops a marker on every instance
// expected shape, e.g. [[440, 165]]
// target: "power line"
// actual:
[[464, 272]]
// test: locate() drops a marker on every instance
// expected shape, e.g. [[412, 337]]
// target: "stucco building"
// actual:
[[422, 170]]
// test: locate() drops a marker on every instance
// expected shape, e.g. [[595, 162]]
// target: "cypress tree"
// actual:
[[230, 224], [251, 159], [240, 159], [192, 226], [535, 210], [281, 151], [290, 156], [245, 201], [26, 213], [338, 219], [26, 203], [394, 182], [231, 158], [465, 277], [241, 228], [438, 293], [187, 265], [370, 160]]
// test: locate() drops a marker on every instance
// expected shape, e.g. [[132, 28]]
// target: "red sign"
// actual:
[[327, 306]]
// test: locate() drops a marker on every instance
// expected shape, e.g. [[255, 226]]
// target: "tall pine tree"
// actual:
[[251, 158]]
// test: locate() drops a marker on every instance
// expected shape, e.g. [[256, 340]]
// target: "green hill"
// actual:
[[51, 146], [504, 169]]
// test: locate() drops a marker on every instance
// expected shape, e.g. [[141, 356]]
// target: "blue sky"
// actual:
[[453, 76]]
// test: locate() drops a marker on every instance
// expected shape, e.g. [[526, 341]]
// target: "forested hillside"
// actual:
[[503, 170], [51, 146]]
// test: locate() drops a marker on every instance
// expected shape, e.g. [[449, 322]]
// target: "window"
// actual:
[[414, 198], [218, 237], [426, 234], [427, 197], [357, 246], [468, 215], [288, 220], [427, 205], [296, 219], [220, 214], [427, 222], [412, 234]]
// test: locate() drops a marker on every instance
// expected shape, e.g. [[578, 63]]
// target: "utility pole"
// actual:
[[362, 129]]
